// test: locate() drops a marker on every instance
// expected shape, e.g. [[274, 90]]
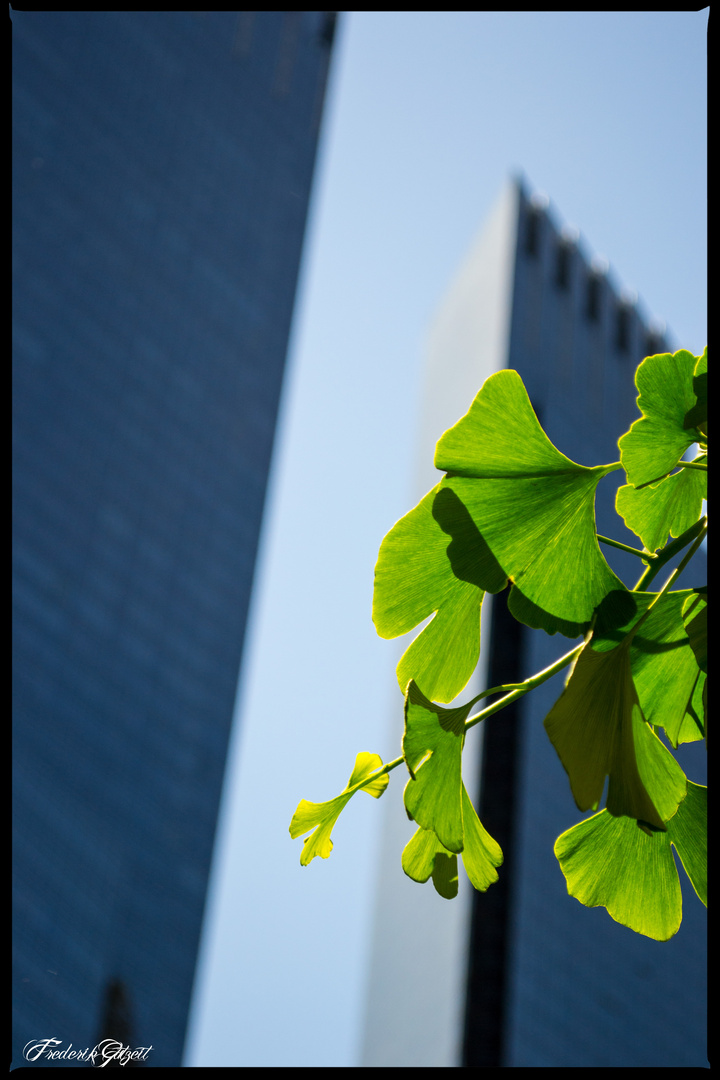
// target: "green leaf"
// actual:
[[481, 853], [694, 724], [532, 506], [432, 748], [697, 415], [694, 615], [655, 443], [500, 437], [670, 506], [321, 817], [664, 668], [424, 856], [688, 832], [598, 730], [533, 615], [609, 862], [429, 563]]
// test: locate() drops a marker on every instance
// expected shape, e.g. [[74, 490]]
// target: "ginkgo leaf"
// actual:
[[608, 862], [500, 436], [697, 415], [694, 616], [688, 833], [598, 730], [425, 856], [481, 854], [429, 563], [694, 723], [669, 507], [534, 508], [432, 748], [321, 817], [655, 443], [664, 667]]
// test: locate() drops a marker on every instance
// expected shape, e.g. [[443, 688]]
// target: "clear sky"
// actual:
[[428, 114]]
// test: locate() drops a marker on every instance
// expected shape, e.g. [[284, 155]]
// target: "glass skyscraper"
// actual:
[[523, 975], [162, 166]]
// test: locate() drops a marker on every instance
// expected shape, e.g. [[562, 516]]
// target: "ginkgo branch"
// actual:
[[669, 552], [514, 507], [692, 465], [673, 576], [520, 689], [647, 556]]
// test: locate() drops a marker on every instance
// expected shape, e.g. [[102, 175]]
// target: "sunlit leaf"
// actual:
[[432, 748], [655, 443], [664, 668], [429, 563], [500, 436], [513, 510], [321, 817], [669, 507], [533, 507], [694, 614], [424, 856], [608, 862], [694, 724], [688, 832], [481, 854], [598, 730], [697, 415]]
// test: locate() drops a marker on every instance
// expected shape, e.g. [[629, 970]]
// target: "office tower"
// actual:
[[523, 975], [162, 170]]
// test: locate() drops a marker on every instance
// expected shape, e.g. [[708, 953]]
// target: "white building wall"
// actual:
[[416, 996]]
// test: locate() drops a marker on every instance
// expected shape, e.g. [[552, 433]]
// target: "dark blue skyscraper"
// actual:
[[162, 170]]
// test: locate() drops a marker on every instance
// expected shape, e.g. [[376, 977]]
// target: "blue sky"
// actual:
[[428, 114]]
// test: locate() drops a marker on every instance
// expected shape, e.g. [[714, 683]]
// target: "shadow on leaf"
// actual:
[[470, 557]]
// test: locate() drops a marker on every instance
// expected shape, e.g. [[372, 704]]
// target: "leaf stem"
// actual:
[[692, 465], [646, 555], [668, 552], [516, 690], [676, 573], [520, 689], [386, 768]]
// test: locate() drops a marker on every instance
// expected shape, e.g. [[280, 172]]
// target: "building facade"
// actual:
[[523, 975], [162, 169]]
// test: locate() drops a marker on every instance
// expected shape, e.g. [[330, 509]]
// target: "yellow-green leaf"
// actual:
[[694, 614], [431, 563], [432, 748], [697, 416], [321, 817], [533, 508], [425, 856], [655, 443], [481, 854], [664, 667], [669, 507], [598, 730], [609, 862], [688, 832]]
